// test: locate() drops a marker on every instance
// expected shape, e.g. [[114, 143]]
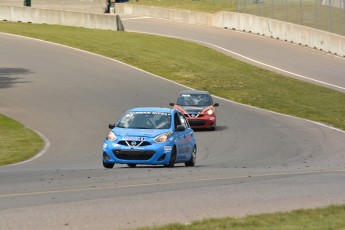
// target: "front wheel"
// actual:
[[191, 162], [108, 165], [172, 158]]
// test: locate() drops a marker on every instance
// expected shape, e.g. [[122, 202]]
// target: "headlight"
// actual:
[[209, 112], [111, 136], [161, 138]]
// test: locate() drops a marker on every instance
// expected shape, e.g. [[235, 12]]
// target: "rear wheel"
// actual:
[[172, 158], [191, 162], [108, 165], [132, 165]]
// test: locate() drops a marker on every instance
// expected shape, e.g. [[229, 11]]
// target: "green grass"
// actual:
[[200, 6], [17, 143], [328, 218]]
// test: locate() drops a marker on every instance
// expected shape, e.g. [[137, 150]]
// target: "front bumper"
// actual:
[[156, 154], [202, 123]]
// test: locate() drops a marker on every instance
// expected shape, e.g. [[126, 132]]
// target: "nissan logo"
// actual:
[[133, 143]]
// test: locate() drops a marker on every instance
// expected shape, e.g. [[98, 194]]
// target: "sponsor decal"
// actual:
[[154, 113], [128, 138]]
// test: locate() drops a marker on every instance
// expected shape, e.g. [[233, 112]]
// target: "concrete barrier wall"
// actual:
[[58, 17], [289, 32], [164, 13], [306, 36], [94, 6]]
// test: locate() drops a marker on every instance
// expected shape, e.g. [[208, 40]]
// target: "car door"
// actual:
[[180, 139], [184, 139], [188, 136]]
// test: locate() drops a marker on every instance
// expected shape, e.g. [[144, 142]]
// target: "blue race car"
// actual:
[[150, 136]]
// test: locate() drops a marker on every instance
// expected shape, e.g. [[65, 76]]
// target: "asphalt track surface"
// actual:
[[256, 161]]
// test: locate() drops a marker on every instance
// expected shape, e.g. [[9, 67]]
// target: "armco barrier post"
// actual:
[[27, 2]]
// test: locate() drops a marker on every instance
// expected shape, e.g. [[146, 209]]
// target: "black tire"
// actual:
[[172, 158], [108, 165], [132, 165], [212, 128], [191, 162]]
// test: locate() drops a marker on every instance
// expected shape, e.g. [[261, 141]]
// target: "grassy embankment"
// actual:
[[330, 218], [209, 6], [17, 143]]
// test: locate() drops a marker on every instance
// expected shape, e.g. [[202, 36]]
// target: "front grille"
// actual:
[[137, 143], [132, 154], [196, 123], [193, 115]]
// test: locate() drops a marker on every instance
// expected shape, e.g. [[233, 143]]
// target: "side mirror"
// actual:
[[180, 128], [111, 126], [171, 104], [216, 104]]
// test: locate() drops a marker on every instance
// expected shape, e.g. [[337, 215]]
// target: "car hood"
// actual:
[[139, 132], [193, 108]]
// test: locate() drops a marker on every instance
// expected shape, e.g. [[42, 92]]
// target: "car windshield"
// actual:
[[194, 100], [145, 120]]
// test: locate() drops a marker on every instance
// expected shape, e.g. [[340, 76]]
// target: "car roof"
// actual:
[[194, 91], [151, 109]]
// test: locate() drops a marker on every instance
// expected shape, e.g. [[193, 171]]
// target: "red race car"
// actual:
[[198, 108]]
